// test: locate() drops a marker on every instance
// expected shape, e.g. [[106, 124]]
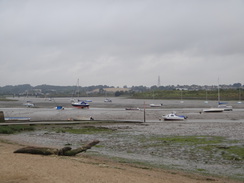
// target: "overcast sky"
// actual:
[[121, 42]]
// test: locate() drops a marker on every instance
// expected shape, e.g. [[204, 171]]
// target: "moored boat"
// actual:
[[59, 107], [213, 110], [107, 100], [156, 105], [29, 104], [174, 117], [17, 119], [131, 108], [225, 107], [80, 104]]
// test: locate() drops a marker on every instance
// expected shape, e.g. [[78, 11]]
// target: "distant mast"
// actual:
[[218, 93], [78, 87], [159, 83], [239, 102]]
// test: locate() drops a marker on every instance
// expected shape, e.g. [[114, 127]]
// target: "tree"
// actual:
[[237, 85]]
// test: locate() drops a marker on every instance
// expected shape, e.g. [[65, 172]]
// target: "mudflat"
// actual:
[[85, 168], [26, 168]]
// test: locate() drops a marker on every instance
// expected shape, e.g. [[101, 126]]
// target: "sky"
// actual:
[[121, 42]]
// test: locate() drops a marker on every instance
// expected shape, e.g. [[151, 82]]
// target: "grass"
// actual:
[[233, 153], [213, 146], [15, 129], [226, 94], [6, 99], [181, 140], [190, 140]]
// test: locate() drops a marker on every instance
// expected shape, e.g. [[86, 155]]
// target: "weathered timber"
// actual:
[[37, 150], [81, 149], [65, 151]]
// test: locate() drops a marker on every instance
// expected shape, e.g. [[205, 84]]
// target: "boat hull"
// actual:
[[17, 119], [226, 107], [156, 105], [128, 108], [213, 110], [173, 119], [80, 106]]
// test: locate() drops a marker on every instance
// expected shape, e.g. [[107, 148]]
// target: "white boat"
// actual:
[[131, 108], [156, 105], [29, 104], [17, 119], [225, 107], [213, 110], [107, 100], [174, 117]]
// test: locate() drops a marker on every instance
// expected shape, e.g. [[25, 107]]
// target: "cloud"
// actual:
[[121, 42]]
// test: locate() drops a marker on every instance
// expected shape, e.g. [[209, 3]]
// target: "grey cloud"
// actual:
[[121, 42]]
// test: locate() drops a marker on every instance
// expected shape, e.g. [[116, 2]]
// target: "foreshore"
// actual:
[[229, 125], [26, 168]]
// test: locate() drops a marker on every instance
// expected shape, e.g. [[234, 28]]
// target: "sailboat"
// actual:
[[206, 101], [155, 105], [79, 103], [28, 103], [239, 102], [181, 101], [223, 105], [106, 98]]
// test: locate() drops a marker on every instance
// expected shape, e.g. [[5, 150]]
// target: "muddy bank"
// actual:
[[201, 147]]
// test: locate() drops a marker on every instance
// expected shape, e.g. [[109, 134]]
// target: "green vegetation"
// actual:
[[212, 146], [7, 100], [228, 94], [233, 153], [15, 129]]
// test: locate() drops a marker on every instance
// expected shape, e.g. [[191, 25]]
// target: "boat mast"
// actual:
[[218, 92], [239, 102], [181, 101], [206, 101], [78, 87]]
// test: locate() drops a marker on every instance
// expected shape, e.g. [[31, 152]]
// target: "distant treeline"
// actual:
[[47, 90], [227, 92]]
